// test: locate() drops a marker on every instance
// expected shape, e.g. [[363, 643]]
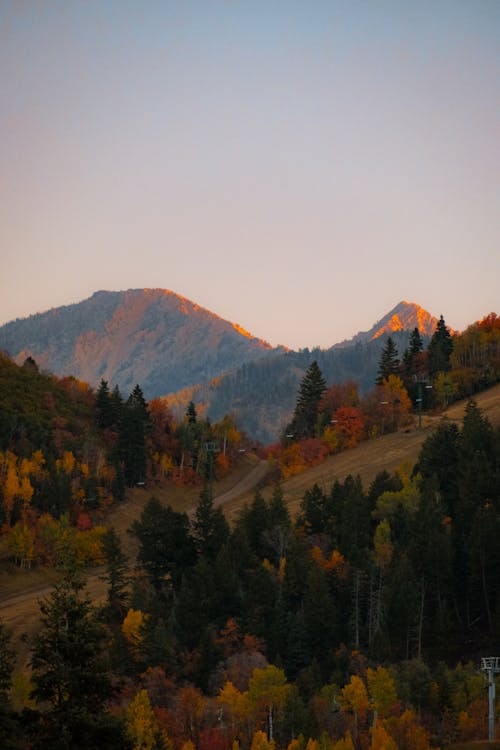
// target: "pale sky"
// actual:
[[297, 167]]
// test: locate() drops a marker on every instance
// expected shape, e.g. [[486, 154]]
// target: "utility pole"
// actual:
[[491, 665]]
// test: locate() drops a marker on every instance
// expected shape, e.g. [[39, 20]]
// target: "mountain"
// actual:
[[261, 394], [153, 337], [404, 317], [173, 347]]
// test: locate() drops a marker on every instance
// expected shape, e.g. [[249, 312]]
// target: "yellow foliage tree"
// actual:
[[345, 743], [381, 739], [382, 691], [354, 699], [141, 724], [11, 488], [132, 626], [260, 742], [267, 690], [21, 544], [407, 732]]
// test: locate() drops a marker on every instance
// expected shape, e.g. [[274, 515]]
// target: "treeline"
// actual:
[[261, 394], [335, 630], [68, 452], [327, 420]]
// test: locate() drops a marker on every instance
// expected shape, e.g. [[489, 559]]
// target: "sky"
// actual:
[[297, 167]]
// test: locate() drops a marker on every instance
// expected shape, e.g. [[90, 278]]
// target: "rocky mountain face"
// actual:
[[152, 337], [404, 317]]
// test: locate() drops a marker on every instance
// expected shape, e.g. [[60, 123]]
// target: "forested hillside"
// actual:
[[356, 624]]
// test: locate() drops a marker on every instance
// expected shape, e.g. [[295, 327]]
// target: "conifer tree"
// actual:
[[440, 349], [134, 426], [389, 362], [70, 673], [210, 528], [117, 576], [311, 389]]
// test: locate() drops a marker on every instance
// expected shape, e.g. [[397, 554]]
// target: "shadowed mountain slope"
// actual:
[[153, 337], [261, 394]]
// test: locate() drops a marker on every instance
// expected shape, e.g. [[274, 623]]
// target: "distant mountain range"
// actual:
[[175, 348]]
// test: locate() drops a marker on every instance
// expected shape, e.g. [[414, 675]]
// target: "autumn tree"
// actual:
[[142, 726], [267, 691], [354, 700]]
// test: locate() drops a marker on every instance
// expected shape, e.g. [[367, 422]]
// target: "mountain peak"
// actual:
[[405, 316], [154, 337]]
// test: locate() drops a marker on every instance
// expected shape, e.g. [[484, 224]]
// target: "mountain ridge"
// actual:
[[176, 349], [149, 336]]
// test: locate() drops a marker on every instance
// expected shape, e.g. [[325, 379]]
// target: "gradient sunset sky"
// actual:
[[295, 167]]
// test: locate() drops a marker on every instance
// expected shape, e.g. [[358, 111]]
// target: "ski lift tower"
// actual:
[[491, 665]]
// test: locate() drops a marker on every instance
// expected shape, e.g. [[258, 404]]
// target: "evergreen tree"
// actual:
[[191, 415], [117, 574], [70, 673], [413, 350], [134, 426], [166, 545], [389, 362], [440, 349], [313, 510], [305, 416], [106, 414], [210, 528], [9, 728], [6, 664]]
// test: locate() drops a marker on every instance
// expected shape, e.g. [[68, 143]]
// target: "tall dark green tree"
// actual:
[[210, 528], [440, 349], [71, 675], [305, 416], [8, 724], [410, 358], [105, 407], [389, 361], [166, 545], [134, 426], [191, 415], [117, 575]]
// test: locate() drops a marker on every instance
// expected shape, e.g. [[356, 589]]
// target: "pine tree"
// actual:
[[10, 729], [440, 349], [117, 574], [6, 663], [210, 528], [305, 416], [134, 425], [105, 408], [70, 673], [389, 362], [191, 415]]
